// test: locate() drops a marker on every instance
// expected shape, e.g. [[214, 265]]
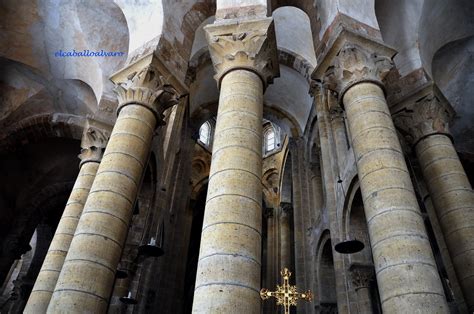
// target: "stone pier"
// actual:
[[93, 142], [406, 271], [228, 274], [88, 274], [427, 122]]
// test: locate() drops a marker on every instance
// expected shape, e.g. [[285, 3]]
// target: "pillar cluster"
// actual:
[[87, 276], [426, 120], [93, 143], [405, 268]]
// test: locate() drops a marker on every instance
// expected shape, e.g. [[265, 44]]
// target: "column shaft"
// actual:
[[48, 276], [364, 300], [285, 239], [453, 200], [339, 131], [87, 277], [228, 274], [406, 272]]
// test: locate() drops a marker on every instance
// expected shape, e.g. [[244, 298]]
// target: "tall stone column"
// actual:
[[228, 273], [93, 142], [339, 131], [88, 273], [427, 120], [406, 271]]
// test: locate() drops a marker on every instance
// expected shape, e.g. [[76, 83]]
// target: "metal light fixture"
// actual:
[[154, 247], [350, 246], [129, 300]]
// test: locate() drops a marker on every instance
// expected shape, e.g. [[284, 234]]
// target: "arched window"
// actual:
[[269, 140], [205, 133]]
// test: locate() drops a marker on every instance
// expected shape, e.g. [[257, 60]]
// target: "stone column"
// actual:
[[362, 276], [87, 277], [339, 132], [406, 271], [93, 142], [228, 273], [272, 267], [427, 120], [329, 173], [285, 235], [316, 188]]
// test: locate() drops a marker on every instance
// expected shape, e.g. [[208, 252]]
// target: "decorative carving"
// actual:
[[362, 275], [147, 88], [426, 116], [354, 64], [244, 45], [93, 142], [315, 88]]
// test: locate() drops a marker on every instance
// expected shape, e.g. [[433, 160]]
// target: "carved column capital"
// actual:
[[428, 115], [354, 64], [249, 45], [361, 275], [146, 87], [93, 142]]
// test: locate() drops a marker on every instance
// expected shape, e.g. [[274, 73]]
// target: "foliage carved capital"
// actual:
[[354, 64], [149, 88], [247, 45], [430, 114]]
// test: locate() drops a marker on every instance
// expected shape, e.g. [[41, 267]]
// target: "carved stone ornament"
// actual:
[[244, 45], [426, 116], [361, 275], [354, 64], [315, 88], [93, 142], [147, 88]]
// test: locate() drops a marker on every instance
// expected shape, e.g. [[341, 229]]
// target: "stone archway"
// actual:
[[326, 277]]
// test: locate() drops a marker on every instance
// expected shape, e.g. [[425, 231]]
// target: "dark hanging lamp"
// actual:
[[349, 246], [154, 246], [129, 300]]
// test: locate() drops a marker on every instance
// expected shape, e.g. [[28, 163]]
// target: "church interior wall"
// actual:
[[312, 199]]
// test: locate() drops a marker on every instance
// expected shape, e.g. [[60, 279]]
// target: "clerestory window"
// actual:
[[205, 133]]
